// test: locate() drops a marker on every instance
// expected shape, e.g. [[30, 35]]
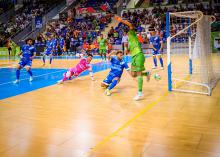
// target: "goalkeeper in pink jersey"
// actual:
[[83, 65]]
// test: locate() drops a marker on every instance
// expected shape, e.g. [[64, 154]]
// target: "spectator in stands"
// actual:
[[124, 42]]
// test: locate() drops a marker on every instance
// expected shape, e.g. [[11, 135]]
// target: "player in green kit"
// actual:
[[102, 46], [138, 59]]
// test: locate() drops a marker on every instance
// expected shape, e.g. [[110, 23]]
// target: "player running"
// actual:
[[27, 54], [157, 45], [83, 65], [114, 76], [102, 47], [138, 59]]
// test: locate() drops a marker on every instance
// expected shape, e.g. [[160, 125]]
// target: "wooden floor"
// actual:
[[76, 119]]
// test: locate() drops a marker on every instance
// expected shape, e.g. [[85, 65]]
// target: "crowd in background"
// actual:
[[23, 18], [147, 20]]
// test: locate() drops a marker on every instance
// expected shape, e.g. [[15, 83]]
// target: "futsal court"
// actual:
[[76, 119]]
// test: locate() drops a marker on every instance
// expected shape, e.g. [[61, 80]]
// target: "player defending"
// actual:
[[83, 65], [102, 47], [117, 67], [138, 59], [157, 45], [27, 54]]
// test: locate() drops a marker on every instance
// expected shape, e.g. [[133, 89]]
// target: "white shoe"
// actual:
[[138, 97], [16, 81], [162, 68], [31, 79], [154, 67], [60, 82]]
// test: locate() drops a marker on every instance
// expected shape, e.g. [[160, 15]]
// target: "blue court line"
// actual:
[[42, 78]]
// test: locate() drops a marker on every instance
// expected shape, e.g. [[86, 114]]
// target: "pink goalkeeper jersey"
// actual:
[[80, 67]]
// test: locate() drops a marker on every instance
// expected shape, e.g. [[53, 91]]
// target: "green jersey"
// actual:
[[134, 45], [102, 44]]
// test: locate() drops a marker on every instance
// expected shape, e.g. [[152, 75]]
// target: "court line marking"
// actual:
[[34, 76], [126, 124]]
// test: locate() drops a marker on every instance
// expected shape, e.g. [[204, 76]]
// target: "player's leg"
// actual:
[[114, 82], [28, 68], [104, 54], [137, 68], [18, 68], [161, 60], [107, 81], [44, 58], [51, 58], [101, 53], [155, 61], [67, 75]]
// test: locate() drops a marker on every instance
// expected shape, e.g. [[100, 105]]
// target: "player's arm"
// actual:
[[91, 73], [110, 54], [161, 45], [151, 44], [34, 54], [128, 69], [119, 19]]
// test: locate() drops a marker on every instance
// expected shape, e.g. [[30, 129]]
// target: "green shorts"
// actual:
[[137, 62], [101, 51]]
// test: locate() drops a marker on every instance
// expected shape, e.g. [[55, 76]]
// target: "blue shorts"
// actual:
[[110, 78], [25, 62], [156, 53], [48, 53]]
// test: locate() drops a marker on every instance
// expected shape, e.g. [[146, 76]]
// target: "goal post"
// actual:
[[189, 57]]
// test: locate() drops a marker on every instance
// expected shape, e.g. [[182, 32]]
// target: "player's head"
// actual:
[[89, 58], [119, 55], [29, 41]]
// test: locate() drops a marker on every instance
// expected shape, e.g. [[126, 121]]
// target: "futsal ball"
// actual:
[[157, 77]]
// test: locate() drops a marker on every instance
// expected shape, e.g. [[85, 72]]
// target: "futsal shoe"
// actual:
[[162, 68], [154, 67], [139, 96], [148, 74], [107, 92], [60, 82], [31, 79], [16, 81]]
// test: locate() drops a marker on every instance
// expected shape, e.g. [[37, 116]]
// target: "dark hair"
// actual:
[[90, 55], [119, 52], [26, 41]]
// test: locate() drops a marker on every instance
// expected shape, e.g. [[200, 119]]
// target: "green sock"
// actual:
[[140, 83], [145, 73]]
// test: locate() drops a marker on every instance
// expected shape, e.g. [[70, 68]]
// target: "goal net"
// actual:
[[191, 65]]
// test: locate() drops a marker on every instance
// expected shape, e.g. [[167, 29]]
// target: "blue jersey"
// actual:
[[117, 67], [61, 42], [28, 51], [54, 41], [49, 45], [156, 42]]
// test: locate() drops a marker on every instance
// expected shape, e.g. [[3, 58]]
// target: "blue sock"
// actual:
[[51, 60], [161, 61], [44, 59], [155, 62], [17, 74], [30, 72], [113, 84]]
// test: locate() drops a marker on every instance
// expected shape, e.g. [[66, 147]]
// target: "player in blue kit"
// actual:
[[62, 43], [49, 50], [55, 45], [157, 45], [117, 67], [27, 54]]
